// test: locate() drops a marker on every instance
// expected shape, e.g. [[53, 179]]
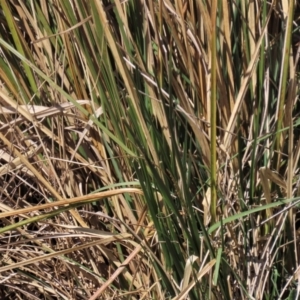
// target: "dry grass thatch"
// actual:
[[149, 149]]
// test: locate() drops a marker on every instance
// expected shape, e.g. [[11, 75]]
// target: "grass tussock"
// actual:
[[149, 150]]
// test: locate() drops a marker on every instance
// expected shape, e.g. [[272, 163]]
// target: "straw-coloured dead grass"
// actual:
[[149, 150]]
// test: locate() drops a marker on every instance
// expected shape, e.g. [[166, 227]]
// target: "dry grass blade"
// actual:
[[244, 85], [200, 274], [117, 272], [63, 252], [96, 196], [25, 161]]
